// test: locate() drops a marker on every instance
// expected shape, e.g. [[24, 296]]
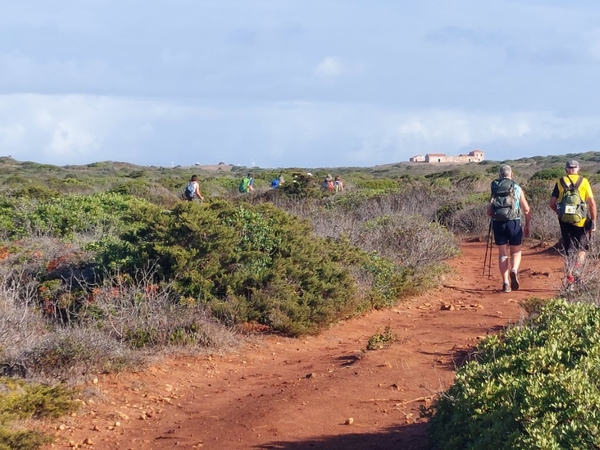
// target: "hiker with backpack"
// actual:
[[338, 185], [328, 183], [506, 207], [573, 202], [192, 190], [247, 184]]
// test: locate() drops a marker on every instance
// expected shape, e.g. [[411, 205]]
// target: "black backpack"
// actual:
[[571, 208], [504, 203]]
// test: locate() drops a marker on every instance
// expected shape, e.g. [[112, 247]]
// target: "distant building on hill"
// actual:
[[436, 158]]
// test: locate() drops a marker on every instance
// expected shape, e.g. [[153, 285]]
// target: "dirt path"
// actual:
[[299, 394]]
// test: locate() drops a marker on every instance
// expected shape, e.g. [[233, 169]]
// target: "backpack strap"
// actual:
[[499, 182], [574, 185]]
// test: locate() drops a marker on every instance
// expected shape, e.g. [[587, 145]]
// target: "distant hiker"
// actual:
[[338, 185], [573, 202], [275, 183], [328, 183], [192, 190], [247, 184], [280, 178], [506, 204]]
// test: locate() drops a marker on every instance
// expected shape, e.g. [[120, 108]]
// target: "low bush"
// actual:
[[247, 263], [22, 401], [64, 216], [411, 241], [72, 353], [552, 173], [535, 386], [383, 340], [254, 263], [62, 320]]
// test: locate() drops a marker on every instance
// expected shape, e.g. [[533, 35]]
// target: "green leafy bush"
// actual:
[[381, 185], [389, 281], [253, 263], [552, 173], [536, 386], [64, 216]]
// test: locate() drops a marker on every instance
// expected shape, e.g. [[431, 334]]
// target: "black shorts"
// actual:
[[573, 236], [510, 232]]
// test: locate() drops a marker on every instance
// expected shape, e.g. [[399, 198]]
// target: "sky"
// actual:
[[296, 83]]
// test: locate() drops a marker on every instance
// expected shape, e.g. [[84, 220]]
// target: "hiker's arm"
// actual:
[[593, 211], [526, 211], [198, 192], [489, 209], [554, 199]]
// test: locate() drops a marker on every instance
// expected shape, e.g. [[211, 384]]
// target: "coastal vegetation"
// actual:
[[105, 265]]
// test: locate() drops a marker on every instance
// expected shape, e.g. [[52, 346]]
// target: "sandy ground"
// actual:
[[319, 392]]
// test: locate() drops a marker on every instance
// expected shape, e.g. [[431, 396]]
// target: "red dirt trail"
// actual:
[[296, 394]]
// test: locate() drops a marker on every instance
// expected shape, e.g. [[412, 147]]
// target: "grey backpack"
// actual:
[[504, 203]]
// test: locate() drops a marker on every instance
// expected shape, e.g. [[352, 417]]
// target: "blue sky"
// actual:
[[298, 83]]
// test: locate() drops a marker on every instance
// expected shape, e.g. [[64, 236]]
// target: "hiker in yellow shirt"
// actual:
[[575, 219]]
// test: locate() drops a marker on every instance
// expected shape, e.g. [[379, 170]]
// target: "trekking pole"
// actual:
[[491, 243], [590, 240], [488, 248]]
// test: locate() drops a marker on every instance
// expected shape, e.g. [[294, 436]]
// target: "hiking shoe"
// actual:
[[506, 287], [514, 282]]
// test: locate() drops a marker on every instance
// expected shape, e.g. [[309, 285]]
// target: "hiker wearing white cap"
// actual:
[[573, 201]]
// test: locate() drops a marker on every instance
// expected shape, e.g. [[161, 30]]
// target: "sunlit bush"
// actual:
[[534, 386]]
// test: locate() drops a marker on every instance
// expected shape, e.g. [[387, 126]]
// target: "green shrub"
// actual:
[[389, 281], [66, 215], [136, 187], [248, 263], [553, 173], [535, 386], [301, 186], [379, 184], [383, 340], [19, 400]]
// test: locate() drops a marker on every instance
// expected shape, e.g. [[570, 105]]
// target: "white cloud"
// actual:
[[76, 129], [329, 67], [313, 134], [70, 139], [69, 129]]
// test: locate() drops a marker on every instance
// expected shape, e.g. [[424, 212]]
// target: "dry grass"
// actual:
[[119, 327]]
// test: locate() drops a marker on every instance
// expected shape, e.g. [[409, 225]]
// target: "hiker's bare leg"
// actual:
[[580, 257], [515, 257], [503, 262]]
